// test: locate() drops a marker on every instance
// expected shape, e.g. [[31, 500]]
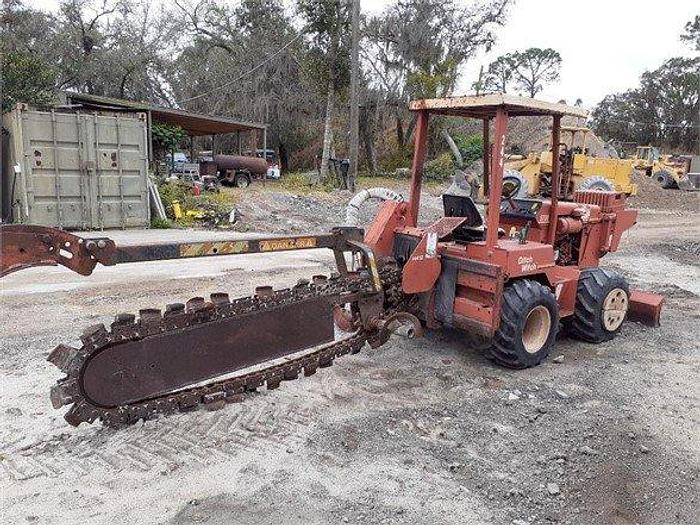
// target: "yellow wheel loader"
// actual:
[[670, 171], [580, 171]]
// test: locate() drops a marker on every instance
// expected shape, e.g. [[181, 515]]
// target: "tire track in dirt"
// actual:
[[199, 439]]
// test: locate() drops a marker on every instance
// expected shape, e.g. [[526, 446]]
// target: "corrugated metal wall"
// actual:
[[79, 170]]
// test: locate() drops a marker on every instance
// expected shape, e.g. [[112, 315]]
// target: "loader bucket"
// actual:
[[645, 307], [690, 182]]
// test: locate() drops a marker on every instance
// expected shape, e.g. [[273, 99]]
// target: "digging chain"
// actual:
[[127, 327]]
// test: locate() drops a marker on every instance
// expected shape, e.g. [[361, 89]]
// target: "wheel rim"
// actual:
[[242, 182], [614, 309], [536, 330]]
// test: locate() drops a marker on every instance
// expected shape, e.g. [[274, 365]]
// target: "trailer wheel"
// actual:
[[664, 179], [241, 180], [528, 327], [602, 302]]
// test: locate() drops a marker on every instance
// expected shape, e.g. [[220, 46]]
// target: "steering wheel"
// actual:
[[510, 188]]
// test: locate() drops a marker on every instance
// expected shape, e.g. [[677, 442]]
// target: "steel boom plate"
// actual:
[[146, 368]]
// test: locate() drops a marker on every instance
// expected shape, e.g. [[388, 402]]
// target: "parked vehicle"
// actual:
[[176, 161], [579, 171], [273, 165], [239, 170], [670, 171]]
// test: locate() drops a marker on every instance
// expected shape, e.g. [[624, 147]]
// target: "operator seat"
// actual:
[[457, 202]]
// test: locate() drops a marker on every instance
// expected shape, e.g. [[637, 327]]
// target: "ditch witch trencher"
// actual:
[[511, 281]]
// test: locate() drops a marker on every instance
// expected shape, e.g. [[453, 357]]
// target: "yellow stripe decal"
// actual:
[[213, 248], [274, 245]]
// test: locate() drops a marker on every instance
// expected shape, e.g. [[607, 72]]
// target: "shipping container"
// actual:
[[75, 170]]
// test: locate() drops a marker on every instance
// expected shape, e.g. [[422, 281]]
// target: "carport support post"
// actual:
[[496, 179], [556, 138], [265, 153], [487, 157], [419, 150]]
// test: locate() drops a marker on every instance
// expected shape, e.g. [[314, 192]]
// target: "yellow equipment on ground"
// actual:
[[579, 170], [670, 171]]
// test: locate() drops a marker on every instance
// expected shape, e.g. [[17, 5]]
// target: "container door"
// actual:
[[119, 177], [52, 179]]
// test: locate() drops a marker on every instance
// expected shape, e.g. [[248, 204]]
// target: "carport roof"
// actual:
[[193, 123], [485, 106]]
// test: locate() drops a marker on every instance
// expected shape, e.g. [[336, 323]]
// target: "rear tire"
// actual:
[[528, 327], [241, 180], [602, 302]]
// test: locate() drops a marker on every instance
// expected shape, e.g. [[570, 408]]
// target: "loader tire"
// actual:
[[602, 302], [528, 327], [596, 183], [665, 179]]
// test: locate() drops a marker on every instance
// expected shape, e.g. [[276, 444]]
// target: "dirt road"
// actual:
[[423, 431]]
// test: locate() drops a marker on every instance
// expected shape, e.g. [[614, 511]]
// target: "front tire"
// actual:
[[528, 327], [665, 179], [596, 183], [602, 302]]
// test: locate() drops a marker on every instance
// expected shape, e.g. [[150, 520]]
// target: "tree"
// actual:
[[499, 74], [247, 61], [415, 48], [328, 24], [692, 33], [664, 110], [535, 67], [26, 78]]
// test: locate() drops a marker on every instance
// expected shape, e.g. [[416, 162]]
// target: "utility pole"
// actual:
[[354, 96]]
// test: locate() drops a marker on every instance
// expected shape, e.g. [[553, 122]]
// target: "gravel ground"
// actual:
[[420, 431]]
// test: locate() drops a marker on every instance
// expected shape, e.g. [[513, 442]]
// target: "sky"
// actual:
[[605, 45]]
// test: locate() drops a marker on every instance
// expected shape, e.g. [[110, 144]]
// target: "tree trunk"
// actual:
[[354, 97], [411, 128], [453, 148], [327, 134], [284, 157], [399, 133], [367, 133]]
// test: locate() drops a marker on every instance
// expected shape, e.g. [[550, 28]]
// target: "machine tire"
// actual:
[[665, 179], [599, 297], [528, 327], [514, 176], [241, 180], [596, 183]]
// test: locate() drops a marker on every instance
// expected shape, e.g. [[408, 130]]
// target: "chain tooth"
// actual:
[[173, 310], [291, 373], [325, 361], [94, 333], [301, 283], [310, 368], [195, 304], [187, 401], [64, 393], [81, 412], [220, 298], [264, 291], [62, 356], [254, 381], [123, 319], [274, 379], [150, 315]]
